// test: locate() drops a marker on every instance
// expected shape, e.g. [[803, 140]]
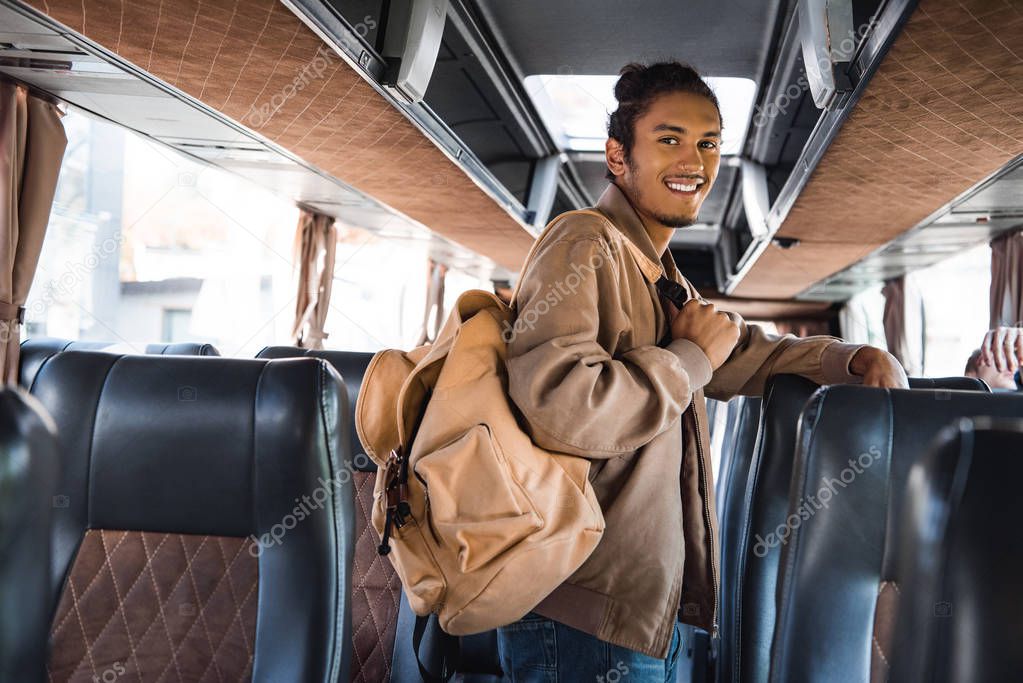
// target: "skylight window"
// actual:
[[575, 108]]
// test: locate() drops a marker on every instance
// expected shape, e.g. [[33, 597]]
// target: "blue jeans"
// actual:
[[540, 650]]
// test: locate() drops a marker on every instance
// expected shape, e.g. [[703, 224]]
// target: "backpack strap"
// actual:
[[450, 652], [633, 249], [672, 291]]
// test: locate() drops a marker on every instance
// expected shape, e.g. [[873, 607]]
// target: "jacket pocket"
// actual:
[[476, 508]]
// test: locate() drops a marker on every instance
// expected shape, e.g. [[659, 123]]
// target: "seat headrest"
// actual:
[[179, 443], [36, 350], [352, 366], [959, 383], [182, 349]]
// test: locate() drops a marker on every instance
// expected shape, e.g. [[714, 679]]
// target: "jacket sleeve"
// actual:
[[759, 354], [577, 396]]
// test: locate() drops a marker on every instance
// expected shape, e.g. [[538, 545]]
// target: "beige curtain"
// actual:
[[32, 143], [315, 251], [904, 323], [1007, 280], [433, 315]]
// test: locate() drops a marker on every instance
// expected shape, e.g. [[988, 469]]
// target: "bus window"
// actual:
[[955, 295], [148, 245]]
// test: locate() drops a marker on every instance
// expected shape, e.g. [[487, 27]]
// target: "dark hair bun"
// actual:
[[637, 82], [630, 82]]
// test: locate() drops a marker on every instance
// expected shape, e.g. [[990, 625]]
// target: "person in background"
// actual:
[[999, 358]]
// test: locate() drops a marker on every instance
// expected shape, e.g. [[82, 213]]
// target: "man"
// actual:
[[601, 370], [998, 359]]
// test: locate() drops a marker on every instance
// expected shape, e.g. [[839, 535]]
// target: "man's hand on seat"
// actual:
[[708, 328], [878, 369], [1003, 349]]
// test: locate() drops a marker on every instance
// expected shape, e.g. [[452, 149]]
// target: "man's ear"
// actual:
[[614, 154]]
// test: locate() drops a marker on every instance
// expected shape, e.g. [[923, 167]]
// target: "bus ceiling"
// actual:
[[479, 119]]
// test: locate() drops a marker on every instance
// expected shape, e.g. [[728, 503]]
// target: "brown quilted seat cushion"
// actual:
[[140, 606], [885, 611], [376, 593]]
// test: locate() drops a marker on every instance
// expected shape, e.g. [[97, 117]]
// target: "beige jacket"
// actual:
[[589, 379]]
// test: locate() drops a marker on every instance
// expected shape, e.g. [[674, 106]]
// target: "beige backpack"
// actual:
[[479, 523]]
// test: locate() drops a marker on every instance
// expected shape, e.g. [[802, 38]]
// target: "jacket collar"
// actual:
[[615, 205]]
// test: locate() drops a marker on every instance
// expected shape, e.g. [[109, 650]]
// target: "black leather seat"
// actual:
[[351, 365], [182, 349], [204, 532], [838, 582], [28, 469], [376, 588], [748, 606], [959, 617], [36, 350], [736, 455], [738, 438], [382, 619], [713, 405]]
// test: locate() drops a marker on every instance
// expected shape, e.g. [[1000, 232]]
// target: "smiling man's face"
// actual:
[[674, 159]]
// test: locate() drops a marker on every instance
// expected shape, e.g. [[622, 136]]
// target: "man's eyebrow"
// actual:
[[680, 130]]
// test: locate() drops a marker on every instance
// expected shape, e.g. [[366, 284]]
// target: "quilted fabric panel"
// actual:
[[376, 594], [159, 608], [256, 62], [941, 114], [885, 612]]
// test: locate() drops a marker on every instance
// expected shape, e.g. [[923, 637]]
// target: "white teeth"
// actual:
[[679, 187]]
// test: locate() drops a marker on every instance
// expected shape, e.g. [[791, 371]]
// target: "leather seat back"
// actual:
[[838, 582], [182, 349], [351, 365], [382, 619], [28, 470], [736, 455], [376, 588], [204, 535], [36, 350], [749, 605], [959, 543]]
